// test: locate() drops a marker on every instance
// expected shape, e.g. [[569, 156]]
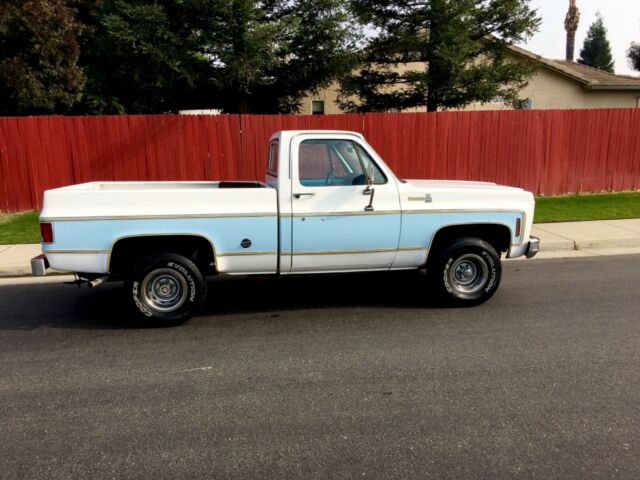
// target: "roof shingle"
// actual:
[[590, 77]]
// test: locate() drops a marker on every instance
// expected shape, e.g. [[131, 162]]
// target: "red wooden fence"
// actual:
[[547, 152]]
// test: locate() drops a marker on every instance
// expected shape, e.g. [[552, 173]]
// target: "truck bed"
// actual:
[[129, 186], [159, 199]]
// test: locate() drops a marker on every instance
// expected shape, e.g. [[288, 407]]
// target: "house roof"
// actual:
[[591, 78]]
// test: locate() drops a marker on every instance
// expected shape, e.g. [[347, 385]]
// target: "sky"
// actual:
[[621, 17]]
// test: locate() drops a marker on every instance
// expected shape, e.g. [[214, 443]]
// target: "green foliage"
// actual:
[[155, 56], [235, 55], [438, 53], [268, 55], [634, 56], [144, 57], [596, 51], [39, 52]]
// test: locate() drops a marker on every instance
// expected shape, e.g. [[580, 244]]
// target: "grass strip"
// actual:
[[19, 228]]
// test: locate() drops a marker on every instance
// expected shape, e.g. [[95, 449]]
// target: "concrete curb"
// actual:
[[22, 271]]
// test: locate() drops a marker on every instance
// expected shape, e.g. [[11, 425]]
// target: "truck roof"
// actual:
[[288, 134]]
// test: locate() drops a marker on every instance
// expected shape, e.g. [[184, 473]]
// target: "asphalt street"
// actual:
[[358, 376]]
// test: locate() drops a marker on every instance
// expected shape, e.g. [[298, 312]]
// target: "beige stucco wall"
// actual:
[[550, 90], [330, 94], [547, 90]]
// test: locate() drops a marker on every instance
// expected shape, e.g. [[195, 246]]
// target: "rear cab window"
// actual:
[[272, 159]]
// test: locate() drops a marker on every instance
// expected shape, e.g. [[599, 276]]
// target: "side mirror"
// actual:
[[372, 192], [370, 171]]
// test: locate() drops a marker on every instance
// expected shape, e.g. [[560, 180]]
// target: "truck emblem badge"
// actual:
[[246, 243], [426, 199]]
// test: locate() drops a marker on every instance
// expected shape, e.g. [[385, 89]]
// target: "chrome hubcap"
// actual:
[[468, 274], [164, 290]]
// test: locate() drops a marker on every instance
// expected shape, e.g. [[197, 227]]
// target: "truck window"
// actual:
[[334, 163], [272, 160]]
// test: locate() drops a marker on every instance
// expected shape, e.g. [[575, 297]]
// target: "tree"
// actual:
[[634, 56], [268, 55], [236, 55], [596, 51], [144, 57], [39, 50], [438, 53]]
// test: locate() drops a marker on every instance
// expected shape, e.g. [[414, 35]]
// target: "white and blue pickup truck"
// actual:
[[328, 204]]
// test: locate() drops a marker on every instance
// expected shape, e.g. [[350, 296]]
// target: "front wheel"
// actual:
[[166, 289], [467, 272]]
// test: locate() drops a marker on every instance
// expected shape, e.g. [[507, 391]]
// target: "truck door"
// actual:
[[345, 208]]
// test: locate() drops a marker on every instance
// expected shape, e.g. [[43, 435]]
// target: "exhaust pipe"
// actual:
[[98, 281]]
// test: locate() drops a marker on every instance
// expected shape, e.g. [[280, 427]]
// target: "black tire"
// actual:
[[165, 289], [467, 272]]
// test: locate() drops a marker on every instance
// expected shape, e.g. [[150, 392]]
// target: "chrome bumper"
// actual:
[[534, 247], [39, 265]]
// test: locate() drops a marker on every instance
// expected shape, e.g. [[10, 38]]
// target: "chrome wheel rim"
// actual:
[[164, 290], [468, 274]]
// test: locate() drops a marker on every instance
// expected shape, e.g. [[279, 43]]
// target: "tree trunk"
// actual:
[[432, 104], [243, 105]]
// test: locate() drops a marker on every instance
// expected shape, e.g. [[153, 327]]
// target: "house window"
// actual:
[[317, 107]]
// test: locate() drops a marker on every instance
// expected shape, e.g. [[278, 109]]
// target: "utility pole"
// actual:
[[571, 25]]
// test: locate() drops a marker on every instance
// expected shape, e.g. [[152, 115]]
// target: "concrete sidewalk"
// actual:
[[608, 237]]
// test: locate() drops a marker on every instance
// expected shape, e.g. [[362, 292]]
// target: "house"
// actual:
[[556, 84]]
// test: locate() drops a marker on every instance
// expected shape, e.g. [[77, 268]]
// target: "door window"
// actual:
[[334, 163]]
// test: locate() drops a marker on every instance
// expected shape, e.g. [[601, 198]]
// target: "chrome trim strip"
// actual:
[[409, 249], [347, 214], [462, 210], [347, 252], [75, 251], [159, 217], [241, 254]]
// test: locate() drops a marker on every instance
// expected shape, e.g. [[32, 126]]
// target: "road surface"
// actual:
[[336, 377]]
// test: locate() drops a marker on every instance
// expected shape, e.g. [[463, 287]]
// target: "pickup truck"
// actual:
[[328, 204]]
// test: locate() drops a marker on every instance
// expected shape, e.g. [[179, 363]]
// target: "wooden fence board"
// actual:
[[547, 152]]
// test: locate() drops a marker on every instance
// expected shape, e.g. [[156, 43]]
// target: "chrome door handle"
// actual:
[[298, 195]]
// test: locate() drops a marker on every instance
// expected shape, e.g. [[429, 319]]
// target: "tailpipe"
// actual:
[[98, 281]]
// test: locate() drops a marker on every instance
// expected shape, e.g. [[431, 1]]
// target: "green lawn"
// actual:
[[606, 206], [19, 228], [23, 227]]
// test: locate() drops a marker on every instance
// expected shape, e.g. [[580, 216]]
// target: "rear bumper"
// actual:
[[39, 265]]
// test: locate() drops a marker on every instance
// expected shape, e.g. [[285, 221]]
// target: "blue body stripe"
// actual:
[[315, 233], [225, 233]]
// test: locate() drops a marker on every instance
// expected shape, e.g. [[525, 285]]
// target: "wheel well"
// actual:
[[499, 236], [126, 251]]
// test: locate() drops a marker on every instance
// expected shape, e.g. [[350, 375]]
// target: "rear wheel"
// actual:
[[467, 272], [166, 289]]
